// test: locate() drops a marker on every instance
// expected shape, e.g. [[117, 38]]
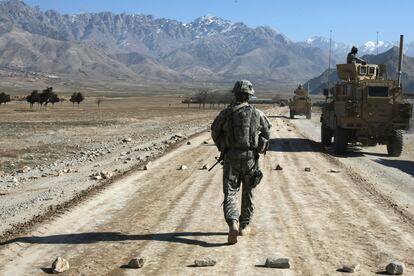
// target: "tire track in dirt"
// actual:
[[180, 183], [141, 230], [341, 194]]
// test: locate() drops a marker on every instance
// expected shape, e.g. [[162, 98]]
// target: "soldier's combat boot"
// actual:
[[244, 230], [233, 232]]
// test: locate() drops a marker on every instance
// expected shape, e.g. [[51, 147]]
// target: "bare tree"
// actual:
[[99, 100], [202, 97]]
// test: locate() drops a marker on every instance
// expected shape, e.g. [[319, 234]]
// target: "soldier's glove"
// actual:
[[256, 178]]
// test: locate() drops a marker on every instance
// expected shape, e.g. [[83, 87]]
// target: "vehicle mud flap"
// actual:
[[340, 140]]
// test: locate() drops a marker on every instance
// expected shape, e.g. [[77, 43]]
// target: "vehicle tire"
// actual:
[[326, 135], [309, 115], [292, 114], [395, 143], [340, 140]]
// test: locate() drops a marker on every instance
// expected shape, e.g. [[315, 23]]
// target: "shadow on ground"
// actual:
[[403, 165], [278, 116], [95, 237], [294, 145]]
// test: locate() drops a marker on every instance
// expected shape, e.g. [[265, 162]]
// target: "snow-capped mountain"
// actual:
[[140, 47], [137, 47], [370, 47]]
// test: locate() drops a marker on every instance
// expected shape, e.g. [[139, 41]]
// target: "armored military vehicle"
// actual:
[[301, 103], [366, 108]]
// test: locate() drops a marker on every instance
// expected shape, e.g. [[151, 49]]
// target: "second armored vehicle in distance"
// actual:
[[301, 103]]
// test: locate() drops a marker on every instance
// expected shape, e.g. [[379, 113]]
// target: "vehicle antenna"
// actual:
[[330, 54], [400, 60]]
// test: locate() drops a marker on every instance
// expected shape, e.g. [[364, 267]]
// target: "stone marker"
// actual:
[[60, 265], [334, 171], [350, 268], [189, 143], [205, 262], [277, 263], [308, 169], [25, 169], [205, 142], [205, 167], [106, 175], [136, 262], [147, 166], [183, 168], [395, 268], [127, 140], [278, 168], [96, 177]]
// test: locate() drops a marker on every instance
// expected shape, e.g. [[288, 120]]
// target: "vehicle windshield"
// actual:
[[378, 91]]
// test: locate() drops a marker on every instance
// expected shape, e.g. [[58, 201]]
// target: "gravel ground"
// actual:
[[61, 160]]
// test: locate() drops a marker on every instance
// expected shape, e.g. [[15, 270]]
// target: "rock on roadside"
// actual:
[[137, 262], [106, 175], [60, 265], [350, 268], [277, 263], [395, 268], [205, 262]]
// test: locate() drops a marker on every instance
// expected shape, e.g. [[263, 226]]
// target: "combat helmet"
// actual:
[[354, 50], [243, 86]]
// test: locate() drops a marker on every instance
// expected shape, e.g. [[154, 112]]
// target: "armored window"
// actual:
[[378, 91], [362, 70], [371, 71]]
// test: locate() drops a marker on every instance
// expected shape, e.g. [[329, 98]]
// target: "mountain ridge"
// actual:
[[141, 48]]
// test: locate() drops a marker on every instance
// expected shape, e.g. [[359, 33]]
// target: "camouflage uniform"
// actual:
[[241, 131]]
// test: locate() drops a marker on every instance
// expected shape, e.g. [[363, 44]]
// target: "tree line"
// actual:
[[205, 97], [49, 96]]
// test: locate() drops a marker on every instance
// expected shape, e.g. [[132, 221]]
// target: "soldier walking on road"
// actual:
[[240, 132]]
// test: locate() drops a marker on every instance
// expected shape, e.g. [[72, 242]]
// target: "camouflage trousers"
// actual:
[[237, 170]]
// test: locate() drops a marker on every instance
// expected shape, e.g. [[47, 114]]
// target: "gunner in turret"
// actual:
[[352, 57]]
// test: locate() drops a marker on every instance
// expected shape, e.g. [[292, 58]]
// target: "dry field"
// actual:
[[36, 137]]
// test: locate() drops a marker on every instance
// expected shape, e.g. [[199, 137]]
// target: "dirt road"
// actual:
[[319, 219]]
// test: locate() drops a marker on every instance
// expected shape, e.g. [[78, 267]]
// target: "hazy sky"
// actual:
[[352, 22]]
